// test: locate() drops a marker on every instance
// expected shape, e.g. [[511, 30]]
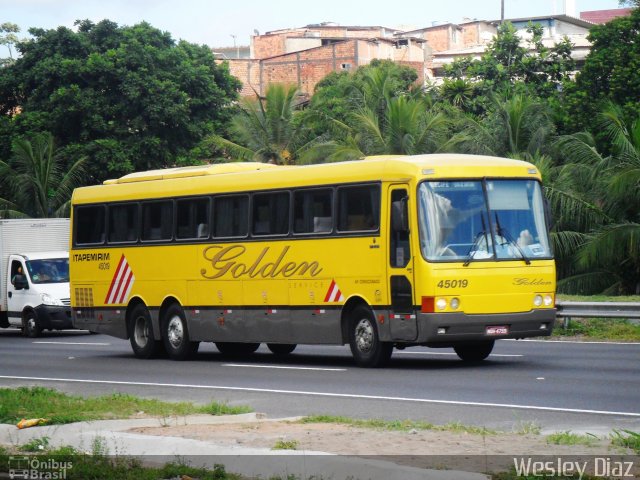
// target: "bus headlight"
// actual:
[[454, 304], [537, 300], [441, 304], [548, 300]]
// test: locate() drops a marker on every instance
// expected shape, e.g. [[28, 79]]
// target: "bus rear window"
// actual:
[[89, 225]]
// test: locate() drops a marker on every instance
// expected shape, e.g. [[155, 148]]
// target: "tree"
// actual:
[[507, 63], [610, 72], [608, 258], [265, 129], [8, 38], [127, 98], [517, 126], [39, 184]]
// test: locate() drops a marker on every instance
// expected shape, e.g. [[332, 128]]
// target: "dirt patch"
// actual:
[[417, 448]]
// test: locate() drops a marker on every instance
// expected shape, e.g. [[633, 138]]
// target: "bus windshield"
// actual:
[[474, 220], [51, 270]]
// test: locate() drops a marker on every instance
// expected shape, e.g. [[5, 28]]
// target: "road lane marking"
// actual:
[[454, 354], [284, 367], [569, 341], [72, 343], [324, 394]]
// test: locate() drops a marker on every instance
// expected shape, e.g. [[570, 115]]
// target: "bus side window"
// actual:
[[192, 218], [359, 208], [231, 216], [270, 214], [313, 211], [123, 222], [90, 225], [157, 220]]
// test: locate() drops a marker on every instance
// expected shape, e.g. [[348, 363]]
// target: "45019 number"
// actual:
[[464, 283]]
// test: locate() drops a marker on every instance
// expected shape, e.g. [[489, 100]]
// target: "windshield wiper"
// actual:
[[507, 236], [476, 242]]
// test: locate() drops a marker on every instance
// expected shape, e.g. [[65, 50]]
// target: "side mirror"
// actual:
[[399, 216], [20, 282]]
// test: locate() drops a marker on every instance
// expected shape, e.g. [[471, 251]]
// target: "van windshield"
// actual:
[[50, 270], [474, 220]]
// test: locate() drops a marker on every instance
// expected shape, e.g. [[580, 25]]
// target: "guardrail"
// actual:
[[568, 310], [598, 309]]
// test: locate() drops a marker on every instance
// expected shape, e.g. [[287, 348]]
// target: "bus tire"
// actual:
[[32, 328], [236, 349], [141, 333], [366, 347], [281, 349], [474, 352], [175, 334]]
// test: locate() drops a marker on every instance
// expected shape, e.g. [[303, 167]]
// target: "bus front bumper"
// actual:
[[446, 329]]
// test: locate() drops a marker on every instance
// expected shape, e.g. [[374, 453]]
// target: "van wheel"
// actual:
[[176, 335], [236, 349], [281, 349], [366, 347], [141, 333], [474, 352], [32, 328]]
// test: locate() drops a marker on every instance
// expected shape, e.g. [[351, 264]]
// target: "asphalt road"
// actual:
[[583, 387]]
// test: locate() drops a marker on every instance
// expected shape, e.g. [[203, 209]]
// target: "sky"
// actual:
[[225, 23]]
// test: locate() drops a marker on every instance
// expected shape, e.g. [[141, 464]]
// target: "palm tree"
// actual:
[[266, 129], [609, 258], [512, 127], [38, 183]]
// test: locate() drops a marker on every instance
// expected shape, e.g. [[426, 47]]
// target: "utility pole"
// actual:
[[238, 48], [501, 11]]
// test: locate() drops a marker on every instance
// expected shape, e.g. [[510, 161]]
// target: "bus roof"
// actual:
[[251, 176]]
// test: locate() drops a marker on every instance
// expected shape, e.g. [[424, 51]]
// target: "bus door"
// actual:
[[402, 316]]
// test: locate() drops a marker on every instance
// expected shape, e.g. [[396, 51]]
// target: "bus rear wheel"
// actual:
[[281, 349], [175, 334], [474, 352], [365, 344], [141, 334], [236, 349]]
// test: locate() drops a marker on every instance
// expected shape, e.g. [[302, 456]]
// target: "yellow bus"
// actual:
[[389, 251]]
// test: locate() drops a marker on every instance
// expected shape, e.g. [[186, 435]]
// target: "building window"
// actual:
[[345, 66]]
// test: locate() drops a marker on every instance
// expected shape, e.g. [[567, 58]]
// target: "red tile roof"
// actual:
[[603, 16]]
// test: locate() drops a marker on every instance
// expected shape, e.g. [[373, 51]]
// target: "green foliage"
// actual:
[[127, 98], [59, 408], [36, 445], [37, 182], [600, 329], [570, 438], [627, 438], [610, 72], [8, 37], [285, 445]]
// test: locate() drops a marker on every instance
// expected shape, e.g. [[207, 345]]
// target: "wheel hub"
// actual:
[[364, 335], [175, 332], [141, 332]]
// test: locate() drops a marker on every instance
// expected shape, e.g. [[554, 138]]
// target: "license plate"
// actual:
[[497, 330]]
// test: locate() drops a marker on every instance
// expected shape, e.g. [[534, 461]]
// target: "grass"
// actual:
[[599, 329], [569, 438], [398, 425], [60, 408], [627, 439], [101, 466], [598, 298], [285, 445], [36, 445]]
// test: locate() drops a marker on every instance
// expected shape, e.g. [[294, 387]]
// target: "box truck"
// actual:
[[34, 273]]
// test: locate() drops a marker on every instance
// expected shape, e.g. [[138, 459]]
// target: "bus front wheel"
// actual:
[[175, 334], [366, 347], [474, 352], [141, 334], [281, 349]]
